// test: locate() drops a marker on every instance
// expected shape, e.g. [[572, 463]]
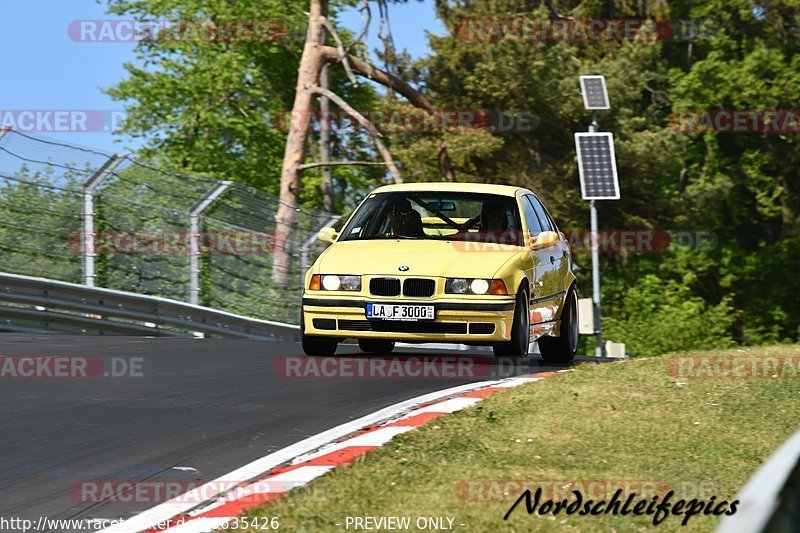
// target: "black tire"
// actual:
[[316, 346], [562, 349], [376, 346], [517, 346]]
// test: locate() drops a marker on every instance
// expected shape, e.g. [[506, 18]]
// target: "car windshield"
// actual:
[[436, 215]]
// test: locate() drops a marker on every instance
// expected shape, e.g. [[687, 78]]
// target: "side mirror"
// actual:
[[546, 239], [327, 234]]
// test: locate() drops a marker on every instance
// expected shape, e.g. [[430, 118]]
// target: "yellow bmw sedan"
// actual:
[[464, 263]]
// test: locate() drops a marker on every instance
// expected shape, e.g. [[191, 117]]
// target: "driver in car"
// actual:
[[495, 225], [403, 220], [493, 217]]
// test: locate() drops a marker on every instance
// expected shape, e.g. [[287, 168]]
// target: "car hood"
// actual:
[[422, 257]]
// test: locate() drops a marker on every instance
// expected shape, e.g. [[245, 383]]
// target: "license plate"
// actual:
[[400, 312]]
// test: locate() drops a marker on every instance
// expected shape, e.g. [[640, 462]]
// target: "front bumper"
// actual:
[[463, 321]]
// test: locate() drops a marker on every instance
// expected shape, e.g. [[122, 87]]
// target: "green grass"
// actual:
[[619, 422]]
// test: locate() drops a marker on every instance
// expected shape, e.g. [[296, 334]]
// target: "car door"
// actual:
[[549, 276], [542, 267]]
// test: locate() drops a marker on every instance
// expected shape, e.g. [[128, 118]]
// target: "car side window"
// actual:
[[544, 218], [531, 220]]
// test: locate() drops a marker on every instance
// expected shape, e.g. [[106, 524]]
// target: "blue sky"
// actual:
[[43, 69]]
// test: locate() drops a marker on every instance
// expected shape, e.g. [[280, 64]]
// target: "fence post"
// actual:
[[194, 234], [89, 188]]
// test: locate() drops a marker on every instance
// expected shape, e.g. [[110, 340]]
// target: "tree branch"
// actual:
[[340, 47], [416, 98], [361, 119], [331, 55], [373, 131], [366, 19]]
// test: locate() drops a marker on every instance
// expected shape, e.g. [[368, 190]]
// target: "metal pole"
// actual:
[[194, 235], [89, 189], [596, 280], [598, 327]]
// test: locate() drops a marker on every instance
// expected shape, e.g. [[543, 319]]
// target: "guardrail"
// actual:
[[83, 215], [41, 305], [770, 501]]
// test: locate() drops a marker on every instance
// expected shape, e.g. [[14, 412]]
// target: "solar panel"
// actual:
[[597, 166], [595, 95]]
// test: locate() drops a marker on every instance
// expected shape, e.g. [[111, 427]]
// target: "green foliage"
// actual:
[[212, 108], [658, 316], [741, 188], [216, 107]]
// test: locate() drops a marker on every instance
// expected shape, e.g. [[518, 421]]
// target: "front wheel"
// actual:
[[316, 346], [562, 349], [517, 346]]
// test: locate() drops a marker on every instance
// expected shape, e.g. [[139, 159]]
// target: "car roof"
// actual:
[[445, 186]]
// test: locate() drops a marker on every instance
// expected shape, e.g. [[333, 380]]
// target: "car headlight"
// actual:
[[351, 283], [479, 286], [475, 286], [457, 286], [335, 282], [331, 283]]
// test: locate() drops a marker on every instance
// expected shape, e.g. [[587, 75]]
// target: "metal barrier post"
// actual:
[[89, 189], [194, 234]]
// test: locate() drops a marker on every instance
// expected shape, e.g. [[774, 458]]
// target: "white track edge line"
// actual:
[[183, 504]]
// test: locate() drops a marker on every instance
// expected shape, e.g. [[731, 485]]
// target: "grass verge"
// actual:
[[634, 425]]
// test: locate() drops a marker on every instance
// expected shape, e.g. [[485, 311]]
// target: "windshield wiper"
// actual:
[[396, 237]]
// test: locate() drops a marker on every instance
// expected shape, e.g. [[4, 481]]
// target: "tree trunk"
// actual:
[[294, 154], [315, 56], [325, 143]]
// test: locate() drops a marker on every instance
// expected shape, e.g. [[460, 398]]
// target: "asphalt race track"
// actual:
[[189, 411]]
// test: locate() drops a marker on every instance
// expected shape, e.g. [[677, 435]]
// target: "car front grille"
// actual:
[[384, 286], [403, 327], [419, 287]]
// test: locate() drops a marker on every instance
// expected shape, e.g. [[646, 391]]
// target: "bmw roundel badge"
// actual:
[[403, 268]]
